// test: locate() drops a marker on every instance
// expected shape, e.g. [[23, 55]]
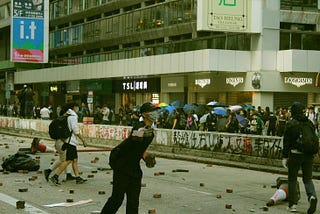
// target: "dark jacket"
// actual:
[[130, 152], [292, 133]]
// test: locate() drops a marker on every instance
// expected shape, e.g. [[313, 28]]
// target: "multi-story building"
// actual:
[[125, 52]]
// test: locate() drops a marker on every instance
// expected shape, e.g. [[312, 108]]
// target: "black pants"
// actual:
[[123, 184]]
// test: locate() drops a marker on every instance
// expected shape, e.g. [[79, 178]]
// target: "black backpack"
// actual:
[[308, 141], [58, 128]]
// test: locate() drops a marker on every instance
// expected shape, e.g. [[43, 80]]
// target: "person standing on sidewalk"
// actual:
[[71, 147], [293, 159], [125, 162]]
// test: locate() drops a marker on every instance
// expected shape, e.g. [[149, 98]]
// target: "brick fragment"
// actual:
[[20, 204], [202, 184], [94, 171], [23, 190], [218, 196], [229, 190], [69, 200], [102, 192], [180, 170], [71, 191], [143, 185], [152, 211], [157, 195], [265, 208], [228, 206], [90, 176]]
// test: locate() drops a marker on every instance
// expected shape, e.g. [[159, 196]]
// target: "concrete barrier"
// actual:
[[201, 146]]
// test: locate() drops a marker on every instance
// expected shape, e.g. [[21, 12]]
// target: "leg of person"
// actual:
[[73, 156], [120, 185], [294, 163], [308, 184], [133, 194], [56, 164]]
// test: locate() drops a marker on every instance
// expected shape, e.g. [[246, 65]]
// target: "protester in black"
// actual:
[[127, 173], [293, 159]]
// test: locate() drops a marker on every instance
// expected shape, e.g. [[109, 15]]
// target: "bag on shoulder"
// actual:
[[308, 141], [20, 161], [58, 128]]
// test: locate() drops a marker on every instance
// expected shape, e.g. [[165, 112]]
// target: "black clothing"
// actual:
[[127, 176]]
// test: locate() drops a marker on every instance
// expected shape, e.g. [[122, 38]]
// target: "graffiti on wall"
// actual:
[[262, 146]]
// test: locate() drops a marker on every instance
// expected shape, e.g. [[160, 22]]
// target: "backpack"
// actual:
[[308, 141], [20, 161], [59, 129], [182, 121]]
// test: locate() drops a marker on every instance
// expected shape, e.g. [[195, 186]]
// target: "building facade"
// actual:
[[120, 52]]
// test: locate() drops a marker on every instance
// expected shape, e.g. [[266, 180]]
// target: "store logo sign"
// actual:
[[135, 85], [234, 81], [202, 82], [298, 81]]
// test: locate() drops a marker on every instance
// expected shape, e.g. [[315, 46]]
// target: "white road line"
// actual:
[[28, 208], [192, 190]]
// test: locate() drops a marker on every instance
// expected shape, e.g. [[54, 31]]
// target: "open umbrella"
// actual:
[[220, 111], [177, 103], [212, 103], [242, 120], [200, 110], [235, 108], [203, 119], [162, 104], [189, 107]]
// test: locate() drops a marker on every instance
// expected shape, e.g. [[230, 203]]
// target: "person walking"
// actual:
[[71, 146], [293, 159], [125, 162]]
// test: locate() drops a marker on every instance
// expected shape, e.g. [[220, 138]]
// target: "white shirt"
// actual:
[[73, 126], [45, 113]]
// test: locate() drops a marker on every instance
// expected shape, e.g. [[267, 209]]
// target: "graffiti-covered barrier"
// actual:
[[255, 149]]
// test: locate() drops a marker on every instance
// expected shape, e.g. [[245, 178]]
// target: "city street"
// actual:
[[184, 187]]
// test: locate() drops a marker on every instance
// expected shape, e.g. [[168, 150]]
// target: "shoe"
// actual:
[[55, 180], [70, 177], [270, 203], [312, 205], [46, 173], [80, 180], [292, 208]]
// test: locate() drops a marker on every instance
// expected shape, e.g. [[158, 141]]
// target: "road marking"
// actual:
[[28, 208], [192, 190]]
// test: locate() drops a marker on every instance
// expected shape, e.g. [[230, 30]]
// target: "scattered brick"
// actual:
[[228, 206], [69, 200], [1, 184], [156, 195], [20, 204], [94, 171], [37, 157], [180, 170], [90, 176], [218, 196], [158, 173], [265, 208], [23, 190], [152, 211], [202, 184], [102, 192], [229, 190], [71, 191], [143, 185], [96, 158], [39, 172]]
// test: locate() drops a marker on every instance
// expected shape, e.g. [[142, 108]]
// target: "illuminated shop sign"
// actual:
[[202, 82], [298, 81], [137, 85], [234, 81]]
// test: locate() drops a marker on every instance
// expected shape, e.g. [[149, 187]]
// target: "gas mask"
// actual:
[[152, 116]]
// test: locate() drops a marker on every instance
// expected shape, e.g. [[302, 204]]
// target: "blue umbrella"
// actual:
[[242, 120], [177, 104], [168, 108], [189, 107], [220, 111]]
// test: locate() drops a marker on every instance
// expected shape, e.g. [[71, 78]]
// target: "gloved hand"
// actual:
[[285, 162], [148, 132], [150, 160], [84, 143]]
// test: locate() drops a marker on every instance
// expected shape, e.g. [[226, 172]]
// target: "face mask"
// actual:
[[152, 116]]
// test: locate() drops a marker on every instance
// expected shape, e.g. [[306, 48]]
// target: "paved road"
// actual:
[[181, 192]]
